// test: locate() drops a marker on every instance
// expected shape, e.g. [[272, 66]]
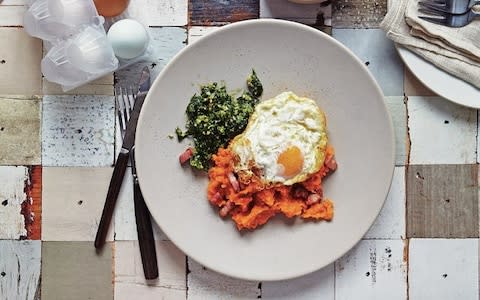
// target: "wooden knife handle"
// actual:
[[112, 195], [145, 234]]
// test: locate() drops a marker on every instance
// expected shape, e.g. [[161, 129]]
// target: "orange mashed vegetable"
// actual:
[[253, 204]]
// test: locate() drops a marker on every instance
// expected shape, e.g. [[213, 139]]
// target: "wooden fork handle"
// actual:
[[112, 195], [145, 233]]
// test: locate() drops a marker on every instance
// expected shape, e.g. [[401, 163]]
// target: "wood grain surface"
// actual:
[[217, 12], [358, 13], [57, 151], [442, 201], [20, 270], [20, 125], [74, 271]]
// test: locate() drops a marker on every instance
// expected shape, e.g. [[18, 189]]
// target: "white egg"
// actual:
[[128, 38], [285, 140]]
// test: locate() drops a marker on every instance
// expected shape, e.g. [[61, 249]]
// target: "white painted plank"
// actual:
[[306, 14], [130, 282], [11, 15], [14, 2], [125, 225], [443, 269], [390, 224], [20, 270], [72, 203], [478, 139], [374, 269], [441, 132], [159, 12], [165, 43], [100, 86], [12, 184], [382, 59], [207, 284], [78, 130], [319, 285], [196, 32], [398, 112]]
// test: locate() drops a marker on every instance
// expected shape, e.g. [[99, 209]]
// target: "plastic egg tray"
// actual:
[[78, 50]]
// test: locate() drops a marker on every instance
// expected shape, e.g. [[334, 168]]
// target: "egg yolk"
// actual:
[[292, 161]]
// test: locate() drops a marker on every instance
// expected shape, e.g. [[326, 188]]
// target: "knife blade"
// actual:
[[122, 161]]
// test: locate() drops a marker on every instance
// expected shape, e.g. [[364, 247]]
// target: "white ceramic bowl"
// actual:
[[286, 56]]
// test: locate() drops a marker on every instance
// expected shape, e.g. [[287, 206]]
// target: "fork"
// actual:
[[449, 6], [125, 98], [447, 19]]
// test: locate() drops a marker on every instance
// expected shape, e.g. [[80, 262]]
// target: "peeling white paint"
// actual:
[[374, 269], [19, 269], [12, 194]]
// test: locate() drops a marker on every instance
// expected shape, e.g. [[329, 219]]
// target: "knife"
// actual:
[[122, 160], [144, 227]]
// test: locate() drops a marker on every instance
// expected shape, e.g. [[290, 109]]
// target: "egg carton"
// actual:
[[76, 42]]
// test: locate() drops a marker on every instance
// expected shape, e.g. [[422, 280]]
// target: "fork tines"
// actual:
[[125, 99]]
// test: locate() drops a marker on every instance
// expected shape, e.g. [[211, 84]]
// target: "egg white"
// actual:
[[276, 124]]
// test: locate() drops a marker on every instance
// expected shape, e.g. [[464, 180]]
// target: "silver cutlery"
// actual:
[[447, 19], [449, 6], [125, 99], [129, 106]]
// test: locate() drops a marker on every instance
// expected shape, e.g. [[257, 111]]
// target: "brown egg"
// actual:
[[111, 8]]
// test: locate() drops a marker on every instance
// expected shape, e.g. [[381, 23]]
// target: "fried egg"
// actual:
[[284, 141]]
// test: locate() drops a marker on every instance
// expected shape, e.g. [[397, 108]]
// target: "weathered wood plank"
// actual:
[[20, 63], [166, 42], [443, 269], [20, 270], [73, 200], [159, 12], [125, 225], [20, 125], [197, 32], [398, 112], [20, 97], [73, 270], [442, 201], [12, 195], [11, 15], [413, 87], [78, 130], [21, 205], [32, 206], [318, 285], [382, 59], [441, 132], [478, 139], [207, 284], [390, 224], [130, 281], [101, 86], [311, 14], [14, 2], [216, 12], [358, 13], [374, 269]]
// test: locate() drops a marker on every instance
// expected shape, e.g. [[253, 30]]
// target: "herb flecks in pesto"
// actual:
[[214, 117], [254, 85]]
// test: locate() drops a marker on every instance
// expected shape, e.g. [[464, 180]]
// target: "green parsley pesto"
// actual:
[[214, 117]]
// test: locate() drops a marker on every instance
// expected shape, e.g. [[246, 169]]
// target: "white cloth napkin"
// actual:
[[455, 50]]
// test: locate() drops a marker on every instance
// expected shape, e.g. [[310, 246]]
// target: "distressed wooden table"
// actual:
[[57, 150]]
